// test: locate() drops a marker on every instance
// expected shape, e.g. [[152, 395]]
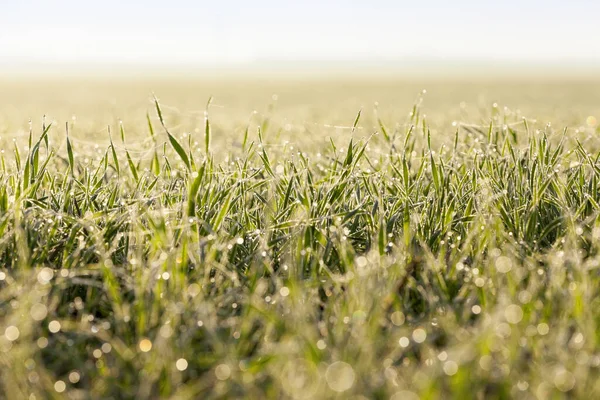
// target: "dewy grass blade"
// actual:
[[207, 131], [174, 143], [114, 153], [70, 151]]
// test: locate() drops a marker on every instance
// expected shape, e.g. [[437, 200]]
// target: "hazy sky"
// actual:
[[217, 32]]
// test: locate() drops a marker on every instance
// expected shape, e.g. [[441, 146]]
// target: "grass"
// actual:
[[394, 265]]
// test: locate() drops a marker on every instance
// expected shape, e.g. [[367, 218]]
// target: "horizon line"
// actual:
[[425, 66]]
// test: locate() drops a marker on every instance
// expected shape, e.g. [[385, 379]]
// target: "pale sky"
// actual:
[[235, 32]]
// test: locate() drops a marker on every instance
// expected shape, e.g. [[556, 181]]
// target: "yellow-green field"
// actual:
[[305, 104], [309, 239]]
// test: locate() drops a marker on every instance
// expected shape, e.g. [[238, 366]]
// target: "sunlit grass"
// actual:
[[382, 261]]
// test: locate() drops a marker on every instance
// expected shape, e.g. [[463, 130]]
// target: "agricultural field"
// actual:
[[326, 238]]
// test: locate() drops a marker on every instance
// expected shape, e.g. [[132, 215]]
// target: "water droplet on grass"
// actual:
[[419, 335], [181, 364], [222, 372], [340, 376], [145, 345], [12, 333]]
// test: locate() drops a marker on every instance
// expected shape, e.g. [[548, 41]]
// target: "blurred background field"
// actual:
[[306, 111]]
